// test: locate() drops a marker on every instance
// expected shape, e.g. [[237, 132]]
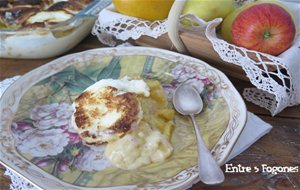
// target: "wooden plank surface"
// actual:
[[4, 180], [197, 46], [280, 147]]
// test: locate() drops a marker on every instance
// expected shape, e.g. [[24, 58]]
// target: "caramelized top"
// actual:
[[16, 14], [105, 110]]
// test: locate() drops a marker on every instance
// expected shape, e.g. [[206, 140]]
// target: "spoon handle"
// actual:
[[209, 170]]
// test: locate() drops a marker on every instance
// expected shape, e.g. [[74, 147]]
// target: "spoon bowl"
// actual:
[[187, 101]]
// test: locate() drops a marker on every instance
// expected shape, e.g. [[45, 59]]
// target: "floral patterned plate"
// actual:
[[38, 143]]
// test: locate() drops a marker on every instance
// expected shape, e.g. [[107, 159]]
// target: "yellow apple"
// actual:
[[209, 9]]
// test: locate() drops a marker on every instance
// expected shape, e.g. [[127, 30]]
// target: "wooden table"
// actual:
[[281, 147]]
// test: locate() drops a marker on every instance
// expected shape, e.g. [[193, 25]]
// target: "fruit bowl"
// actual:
[[195, 41]]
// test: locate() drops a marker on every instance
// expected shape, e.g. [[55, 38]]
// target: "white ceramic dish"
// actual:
[[49, 42]]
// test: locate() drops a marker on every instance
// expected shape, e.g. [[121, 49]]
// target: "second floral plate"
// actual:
[[38, 142]]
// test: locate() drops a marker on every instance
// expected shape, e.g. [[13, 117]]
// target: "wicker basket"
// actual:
[[196, 45]]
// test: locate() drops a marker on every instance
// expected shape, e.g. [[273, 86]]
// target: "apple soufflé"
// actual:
[[129, 117]]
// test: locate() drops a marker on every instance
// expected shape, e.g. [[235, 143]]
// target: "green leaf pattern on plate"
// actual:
[[112, 71]]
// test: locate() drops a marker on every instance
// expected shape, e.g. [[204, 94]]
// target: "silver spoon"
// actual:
[[187, 101]]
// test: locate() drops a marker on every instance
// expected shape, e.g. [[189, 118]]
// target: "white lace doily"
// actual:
[[124, 27], [5, 83], [18, 183], [276, 78]]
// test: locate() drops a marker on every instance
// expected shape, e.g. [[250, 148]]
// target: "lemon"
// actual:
[[145, 9]]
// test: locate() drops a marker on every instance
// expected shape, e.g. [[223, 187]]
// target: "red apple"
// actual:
[[262, 26]]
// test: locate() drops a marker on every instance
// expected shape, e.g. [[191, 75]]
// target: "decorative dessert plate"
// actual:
[[38, 142]]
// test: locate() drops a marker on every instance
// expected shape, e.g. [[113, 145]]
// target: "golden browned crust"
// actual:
[[27, 2], [83, 3], [126, 103], [33, 26], [69, 7], [17, 15], [86, 134], [14, 13], [129, 105]]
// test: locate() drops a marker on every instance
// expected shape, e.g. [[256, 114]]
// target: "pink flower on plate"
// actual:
[[63, 165], [19, 127], [182, 73], [206, 81], [74, 138], [93, 159], [52, 115], [37, 143], [45, 162]]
